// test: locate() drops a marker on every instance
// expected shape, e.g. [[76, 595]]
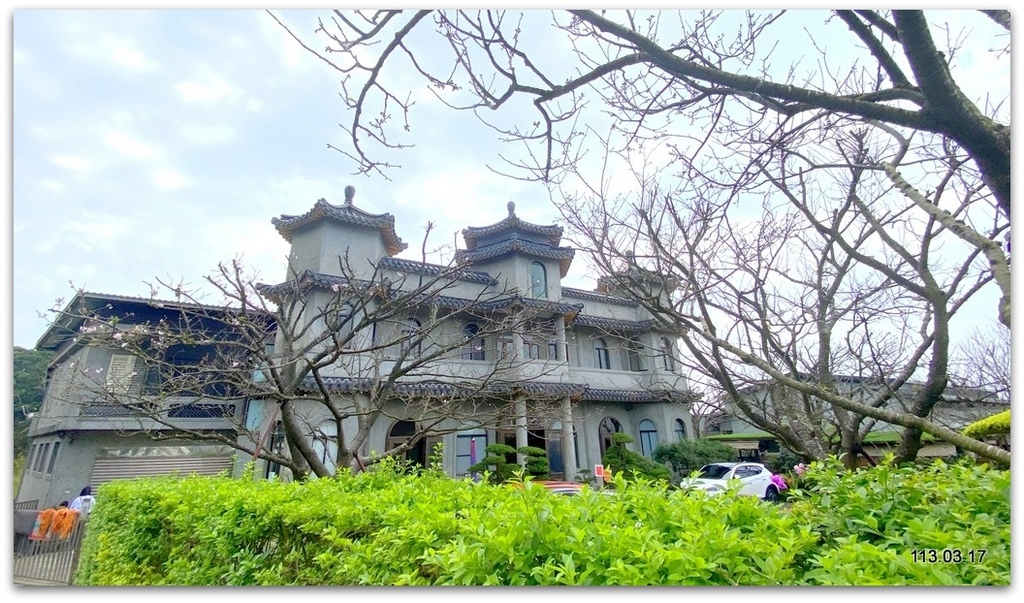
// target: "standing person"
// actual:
[[83, 504]]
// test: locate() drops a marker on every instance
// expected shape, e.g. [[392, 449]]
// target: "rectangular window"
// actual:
[[531, 350], [41, 457], [53, 458], [120, 373], [633, 355], [603, 359]]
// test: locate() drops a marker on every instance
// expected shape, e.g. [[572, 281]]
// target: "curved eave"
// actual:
[[511, 223], [287, 225], [564, 255]]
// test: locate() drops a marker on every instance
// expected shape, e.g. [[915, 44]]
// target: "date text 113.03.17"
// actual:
[[948, 555]]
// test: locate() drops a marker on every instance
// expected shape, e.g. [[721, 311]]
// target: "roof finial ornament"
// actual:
[[350, 192], [511, 208]]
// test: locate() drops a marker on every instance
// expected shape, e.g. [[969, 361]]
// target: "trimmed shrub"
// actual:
[[687, 456], [496, 457], [993, 425], [631, 464]]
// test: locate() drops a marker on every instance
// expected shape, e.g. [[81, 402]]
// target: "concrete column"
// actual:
[[520, 404], [563, 349], [568, 446]]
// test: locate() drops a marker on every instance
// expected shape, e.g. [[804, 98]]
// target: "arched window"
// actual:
[[667, 356], [400, 433], [325, 442], [411, 337], [680, 429], [603, 359], [648, 437], [538, 280], [608, 427], [474, 346]]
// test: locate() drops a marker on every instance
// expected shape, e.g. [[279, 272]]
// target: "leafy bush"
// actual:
[[872, 521], [783, 461], [687, 456], [387, 527], [993, 425], [621, 459]]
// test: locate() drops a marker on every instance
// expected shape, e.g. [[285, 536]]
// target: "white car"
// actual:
[[754, 479]]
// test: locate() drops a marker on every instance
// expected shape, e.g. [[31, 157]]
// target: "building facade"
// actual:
[[89, 430], [561, 368], [573, 367]]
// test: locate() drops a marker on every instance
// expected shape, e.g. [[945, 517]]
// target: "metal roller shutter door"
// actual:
[[108, 469]]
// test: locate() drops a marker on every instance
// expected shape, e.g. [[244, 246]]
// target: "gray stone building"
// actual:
[[587, 364]]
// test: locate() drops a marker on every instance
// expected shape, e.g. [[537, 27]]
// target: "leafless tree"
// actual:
[[333, 356], [876, 173], [983, 362]]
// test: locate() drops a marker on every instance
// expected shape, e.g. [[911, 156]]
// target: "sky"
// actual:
[[155, 144]]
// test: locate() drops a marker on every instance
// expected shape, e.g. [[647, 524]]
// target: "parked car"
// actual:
[[567, 488], [754, 479]]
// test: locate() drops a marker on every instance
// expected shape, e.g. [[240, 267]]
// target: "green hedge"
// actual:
[[390, 528]]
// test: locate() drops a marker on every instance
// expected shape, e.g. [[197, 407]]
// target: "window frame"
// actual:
[[120, 372], [410, 335], [604, 358], [679, 428], [648, 442], [474, 348], [538, 280]]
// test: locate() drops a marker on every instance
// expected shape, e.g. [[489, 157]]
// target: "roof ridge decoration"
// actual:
[[471, 234], [348, 213]]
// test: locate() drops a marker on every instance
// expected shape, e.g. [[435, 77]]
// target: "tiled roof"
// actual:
[[326, 281], [598, 297], [138, 309], [576, 391], [512, 222], [633, 396], [474, 276], [308, 278], [515, 244], [614, 324], [347, 214], [633, 277]]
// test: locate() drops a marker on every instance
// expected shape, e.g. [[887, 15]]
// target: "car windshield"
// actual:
[[714, 471]]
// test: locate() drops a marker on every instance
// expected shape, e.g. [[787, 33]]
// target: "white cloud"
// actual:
[[52, 185], [115, 50], [99, 233], [73, 163], [169, 179], [208, 135], [207, 88], [129, 146]]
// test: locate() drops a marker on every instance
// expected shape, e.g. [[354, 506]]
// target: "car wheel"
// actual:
[[771, 494]]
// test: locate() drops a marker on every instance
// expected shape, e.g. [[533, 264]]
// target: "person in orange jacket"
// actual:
[[63, 521]]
